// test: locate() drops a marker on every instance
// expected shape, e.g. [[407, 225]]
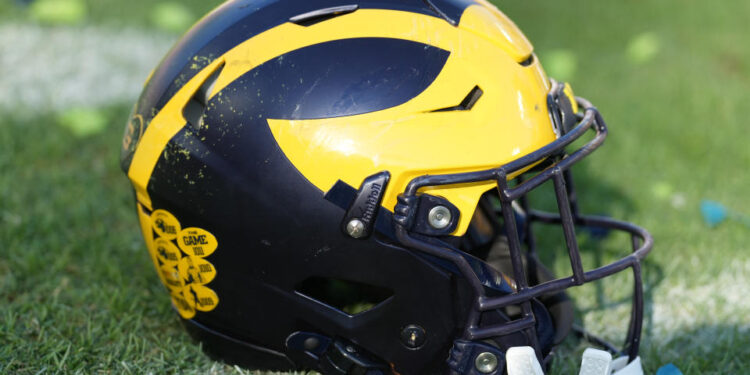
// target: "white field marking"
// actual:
[[719, 306], [50, 69]]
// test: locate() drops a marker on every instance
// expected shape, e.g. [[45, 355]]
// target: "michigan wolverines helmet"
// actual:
[[342, 186]]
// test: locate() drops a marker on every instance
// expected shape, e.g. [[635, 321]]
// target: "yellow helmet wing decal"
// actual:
[[409, 139]]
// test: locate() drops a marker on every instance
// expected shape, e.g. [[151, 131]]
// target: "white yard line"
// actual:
[[719, 306], [720, 303], [50, 69]]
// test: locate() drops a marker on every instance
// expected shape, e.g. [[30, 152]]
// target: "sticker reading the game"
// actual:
[[178, 255], [197, 242]]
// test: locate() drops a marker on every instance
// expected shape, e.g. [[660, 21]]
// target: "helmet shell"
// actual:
[[254, 132]]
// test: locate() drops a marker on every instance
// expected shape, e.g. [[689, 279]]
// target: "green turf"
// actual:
[[111, 12], [78, 292]]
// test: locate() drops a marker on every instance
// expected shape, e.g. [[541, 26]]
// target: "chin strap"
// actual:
[[521, 360]]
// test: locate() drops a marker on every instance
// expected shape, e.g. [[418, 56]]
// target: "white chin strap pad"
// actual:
[[620, 366], [599, 362], [521, 360], [596, 362]]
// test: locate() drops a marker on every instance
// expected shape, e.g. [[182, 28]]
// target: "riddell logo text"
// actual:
[[371, 204]]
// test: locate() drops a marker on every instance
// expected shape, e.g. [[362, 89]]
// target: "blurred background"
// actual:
[[672, 79]]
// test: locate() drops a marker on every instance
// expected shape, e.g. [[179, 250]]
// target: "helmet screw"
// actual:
[[413, 336], [439, 217], [355, 228], [486, 362]]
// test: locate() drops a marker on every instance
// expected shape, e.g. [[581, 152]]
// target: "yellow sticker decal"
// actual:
[[197, 242], [178, 255], [186, 310], [200, 297], [172, 278], [165, 224], [195, 270], [167, 252]]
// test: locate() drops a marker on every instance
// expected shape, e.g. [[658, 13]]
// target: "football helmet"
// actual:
[[342, 186]]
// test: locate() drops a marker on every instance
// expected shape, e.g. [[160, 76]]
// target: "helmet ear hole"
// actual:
[[348, 297]]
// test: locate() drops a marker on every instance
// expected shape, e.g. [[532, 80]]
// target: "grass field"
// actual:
[[78, 293]]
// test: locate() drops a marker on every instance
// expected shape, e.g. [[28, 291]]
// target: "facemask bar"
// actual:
[[568, 217]]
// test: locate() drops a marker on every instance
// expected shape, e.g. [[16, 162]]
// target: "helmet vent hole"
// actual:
[[528, 61], [195, 109], [348, 297], [467, 103], [320, 15]]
